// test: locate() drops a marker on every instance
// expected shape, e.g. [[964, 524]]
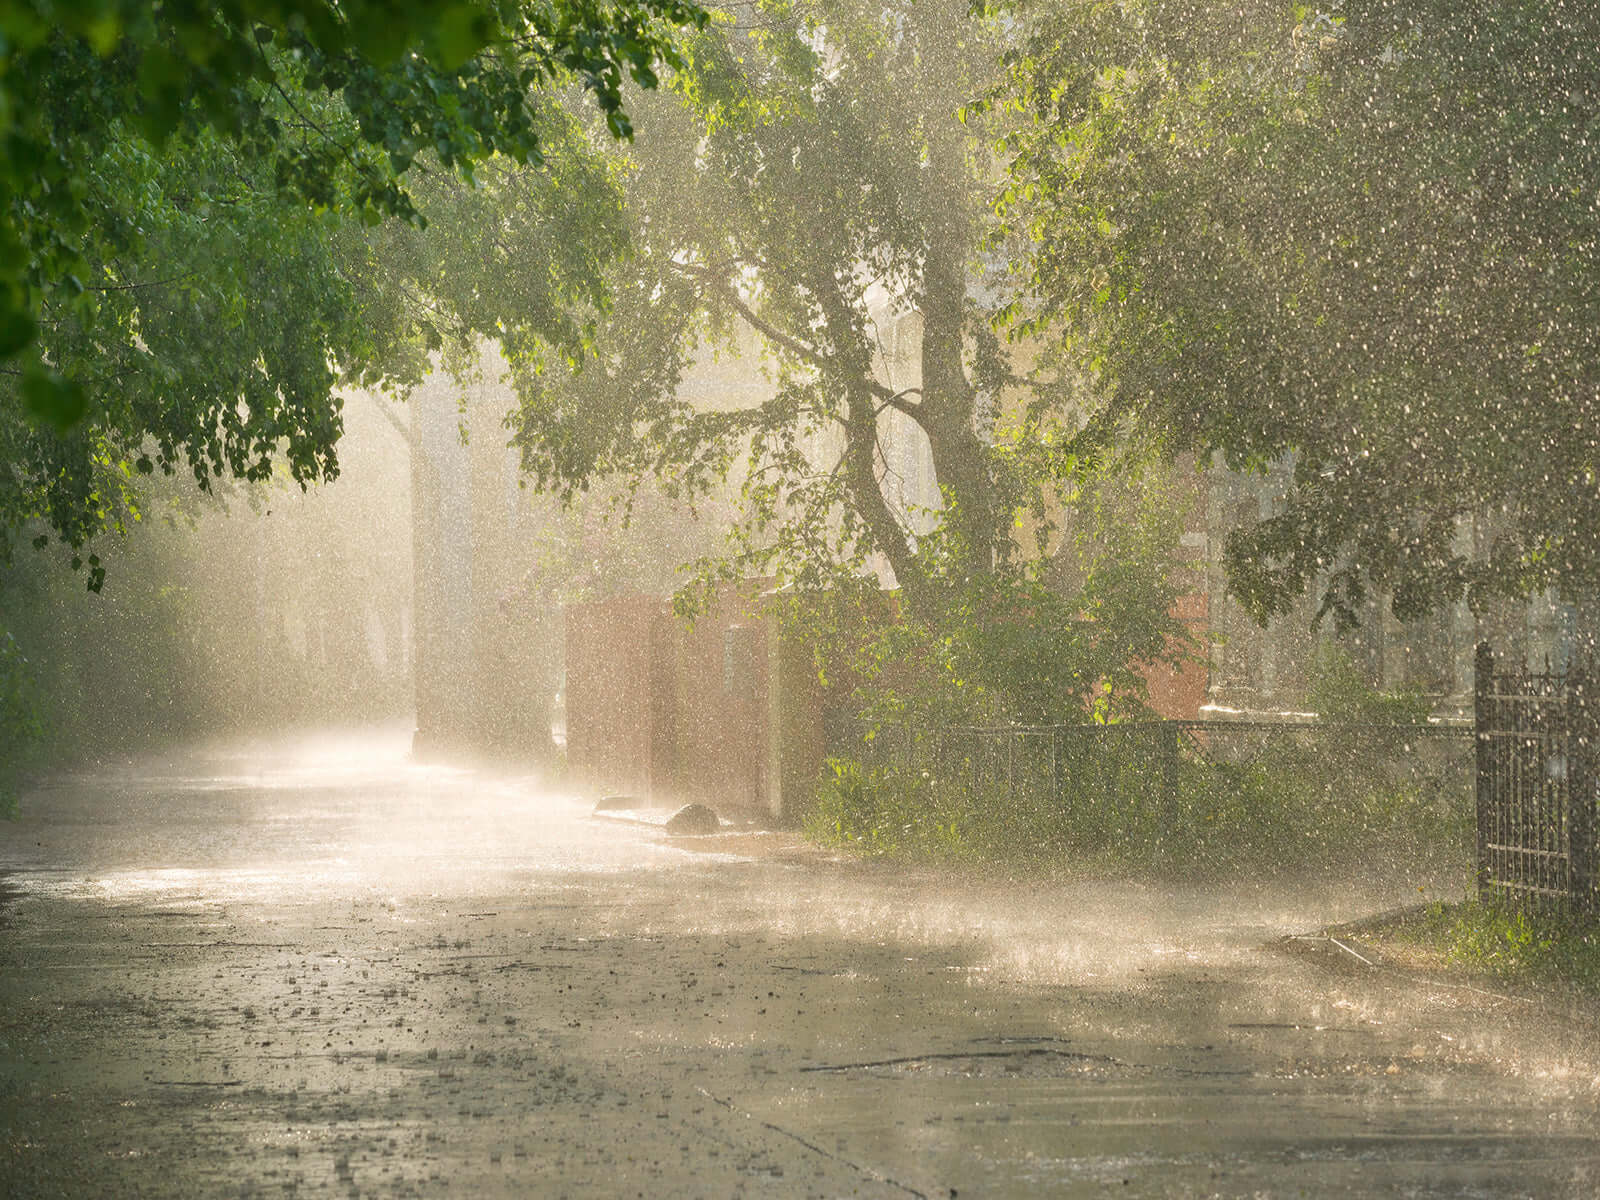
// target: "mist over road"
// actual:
[[307, 967]]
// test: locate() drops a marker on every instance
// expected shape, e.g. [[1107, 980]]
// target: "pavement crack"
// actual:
[[1024, 1039], [859, 1168], [960, 1055], [220, 945]]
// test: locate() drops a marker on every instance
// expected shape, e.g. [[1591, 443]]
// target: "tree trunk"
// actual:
[[948, 410], [851, 372]]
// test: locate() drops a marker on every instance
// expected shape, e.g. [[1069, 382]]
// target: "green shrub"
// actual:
[[879, 812], [1117, 797]]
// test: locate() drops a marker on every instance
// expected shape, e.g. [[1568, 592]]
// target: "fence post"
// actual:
[[1483, 720], [1580, 787]]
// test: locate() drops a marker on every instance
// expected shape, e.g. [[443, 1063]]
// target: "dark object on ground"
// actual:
[[616, 803], [694, 820]]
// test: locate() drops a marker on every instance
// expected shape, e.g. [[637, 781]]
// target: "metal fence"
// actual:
[[1169, 786], [1536, 784], [1036, 760]]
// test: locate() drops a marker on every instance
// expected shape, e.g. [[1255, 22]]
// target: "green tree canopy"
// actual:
[[1366, 238], [805, 192], [807, 182], [183, 277]]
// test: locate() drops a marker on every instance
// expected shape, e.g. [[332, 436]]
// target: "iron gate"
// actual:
[[1536, 740]]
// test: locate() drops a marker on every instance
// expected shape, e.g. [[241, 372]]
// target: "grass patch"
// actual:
[[1504, 942]]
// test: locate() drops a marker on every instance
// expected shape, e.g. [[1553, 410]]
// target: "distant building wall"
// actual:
[[1178, 693], [1272, 669], [725, 712], [618, 694], [722, 702]]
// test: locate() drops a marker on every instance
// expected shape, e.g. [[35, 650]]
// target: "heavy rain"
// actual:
[[799, 598]]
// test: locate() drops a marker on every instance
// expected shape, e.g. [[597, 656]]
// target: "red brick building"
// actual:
[[723, 711]]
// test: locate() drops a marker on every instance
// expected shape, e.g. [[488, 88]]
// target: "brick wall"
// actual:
[[618, 694]]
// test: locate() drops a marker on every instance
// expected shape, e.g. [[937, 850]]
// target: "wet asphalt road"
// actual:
[[309, 968]]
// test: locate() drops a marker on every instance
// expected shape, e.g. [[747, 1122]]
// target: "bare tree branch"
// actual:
[[134, 287], [801, 350]]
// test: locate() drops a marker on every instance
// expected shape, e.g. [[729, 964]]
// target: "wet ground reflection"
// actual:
[[312, 968]]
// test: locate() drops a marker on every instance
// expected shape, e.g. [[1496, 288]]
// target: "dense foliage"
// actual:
[[183, 278], [1063, 638], [21, 730], [808, 183], [1366, 237], [1144, 797], [1508, 943], [806, 197]]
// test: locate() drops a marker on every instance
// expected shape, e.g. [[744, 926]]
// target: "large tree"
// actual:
[[806, 192], [183, 277], [809, 180], [1366, 239]]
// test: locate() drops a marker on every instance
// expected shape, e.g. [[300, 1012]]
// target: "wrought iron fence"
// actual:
[[1536, 784], [1184, 789]]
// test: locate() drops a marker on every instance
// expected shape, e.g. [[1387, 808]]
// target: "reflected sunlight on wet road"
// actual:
[[309, 967]]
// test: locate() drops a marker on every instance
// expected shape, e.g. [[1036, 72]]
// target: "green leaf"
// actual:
[[103, 31], [16, 331], [460, 32], [52, 400]]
